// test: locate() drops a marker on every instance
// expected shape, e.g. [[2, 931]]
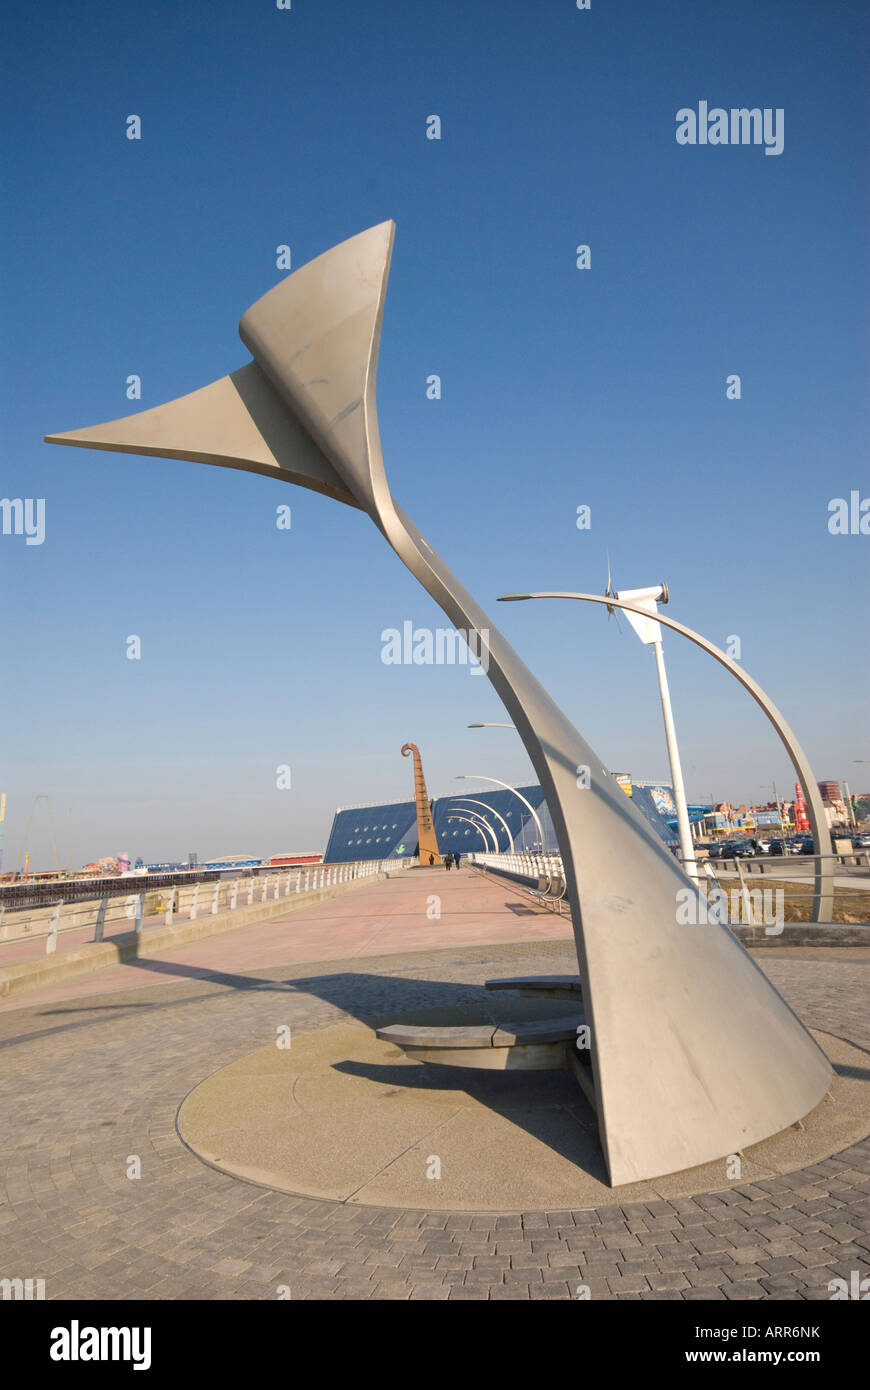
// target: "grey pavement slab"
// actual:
[[90, 1084]]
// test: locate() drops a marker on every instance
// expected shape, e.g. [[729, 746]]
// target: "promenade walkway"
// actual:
[[93, 1073], [420, 910]]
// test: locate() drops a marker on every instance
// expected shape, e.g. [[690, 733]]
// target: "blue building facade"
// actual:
[[495, 806], [373, 832], [389, 831]]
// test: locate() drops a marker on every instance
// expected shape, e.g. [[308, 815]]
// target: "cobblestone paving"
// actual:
[[87, 1084]]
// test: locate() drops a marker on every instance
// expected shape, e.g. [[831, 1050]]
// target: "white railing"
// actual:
[[543, 871], [800, 869], [187, 901]]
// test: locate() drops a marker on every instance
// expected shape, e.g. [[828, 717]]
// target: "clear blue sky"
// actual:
[[561, 387]]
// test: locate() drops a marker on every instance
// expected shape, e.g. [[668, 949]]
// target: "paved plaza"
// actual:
[[94, 1072]]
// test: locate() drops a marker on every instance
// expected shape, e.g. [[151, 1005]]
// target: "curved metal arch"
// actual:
[[823, 891], [476, 825], [477, 802], [478, 777], [489, 829], [482, 821]]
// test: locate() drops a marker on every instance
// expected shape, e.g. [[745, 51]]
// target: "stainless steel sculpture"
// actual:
[[694, 1054]]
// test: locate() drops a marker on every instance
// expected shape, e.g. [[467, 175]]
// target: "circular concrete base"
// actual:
[[343, 1116]]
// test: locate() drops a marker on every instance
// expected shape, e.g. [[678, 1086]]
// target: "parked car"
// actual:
[[763, 846], [737, 849], [861, 841], [778, 847], [744, 849]]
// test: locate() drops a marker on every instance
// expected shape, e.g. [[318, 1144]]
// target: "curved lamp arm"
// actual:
[[475, 802], [477, 826], [823, 892]]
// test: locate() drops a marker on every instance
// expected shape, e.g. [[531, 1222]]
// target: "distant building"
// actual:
[[830, 791], [305, 857], [233, 861], [389, 830]]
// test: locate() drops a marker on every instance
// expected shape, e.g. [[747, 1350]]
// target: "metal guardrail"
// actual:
[[760, 865], [40, 892], [188, 901], [545, 871]]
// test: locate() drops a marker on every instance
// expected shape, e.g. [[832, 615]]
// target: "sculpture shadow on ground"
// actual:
[[554, 1111], [549, 1104]]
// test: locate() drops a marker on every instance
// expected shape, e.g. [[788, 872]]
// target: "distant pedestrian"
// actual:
[[455, 860], [448, 860]]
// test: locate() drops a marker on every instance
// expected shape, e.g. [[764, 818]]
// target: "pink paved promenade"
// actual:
[[373, 919]]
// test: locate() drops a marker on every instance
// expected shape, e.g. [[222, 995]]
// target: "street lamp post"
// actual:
[[463, 777], [478, 827], [482, 820], [823, 889], [492, 812], [687, 845], [764, 786], [850, 809], [854, 815], [650, 633], [497, 724]]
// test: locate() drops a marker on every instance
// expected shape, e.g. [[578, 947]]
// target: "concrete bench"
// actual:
[[541, 1045], [552, 986]]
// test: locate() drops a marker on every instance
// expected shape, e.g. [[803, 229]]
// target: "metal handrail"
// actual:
[[197, 898], [534, 867], [530, 866]]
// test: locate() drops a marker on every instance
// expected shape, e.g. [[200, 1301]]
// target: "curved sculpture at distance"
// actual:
[[694, 1054], [427, 840]]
